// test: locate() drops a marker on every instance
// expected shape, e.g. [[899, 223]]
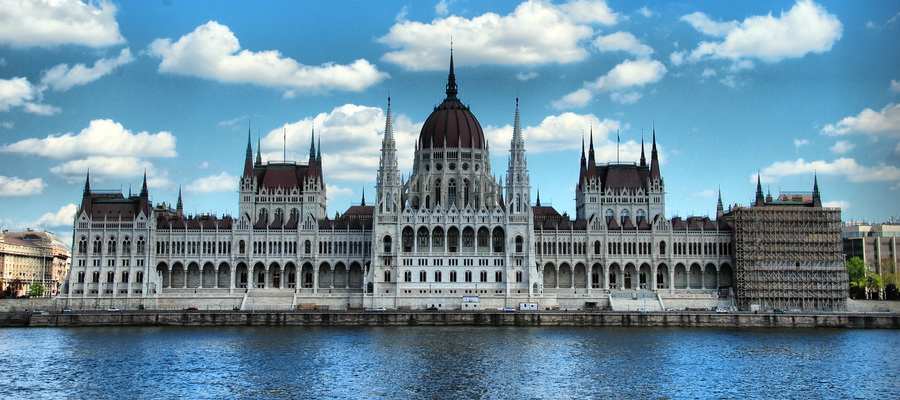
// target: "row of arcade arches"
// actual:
[[630, 276], [274, 276]]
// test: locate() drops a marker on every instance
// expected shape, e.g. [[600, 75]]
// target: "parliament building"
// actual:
[[448, 235]]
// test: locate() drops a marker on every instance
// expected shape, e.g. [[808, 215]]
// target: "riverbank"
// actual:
[[447, 318]]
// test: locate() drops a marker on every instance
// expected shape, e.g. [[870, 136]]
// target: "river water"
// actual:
[[447, 363]]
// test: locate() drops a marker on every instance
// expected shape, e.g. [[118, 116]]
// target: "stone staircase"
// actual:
[[268, 299], [631, 301]]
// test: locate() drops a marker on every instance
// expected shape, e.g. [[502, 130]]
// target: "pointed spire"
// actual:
[[319, 151], [363, 201], [312, 142], [452, 89], [249, 147], [258, 151], [643, 158], [538, 204], [720, 209], [760, 198], [179, 207], [87, 183], [654, 158], [592, 161], [248, 159], [389, 125], [817, 197], [144, 191]]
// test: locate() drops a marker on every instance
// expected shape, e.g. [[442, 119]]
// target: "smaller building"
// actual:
[[876, 244], [29, 257]]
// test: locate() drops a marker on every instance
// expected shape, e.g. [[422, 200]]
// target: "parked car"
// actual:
[[779, 311], [721, 310], [66, 310], [113, 309], [188, 309], [432, 308], [37, 311], [376, 309], [643, 310], [509, 309]]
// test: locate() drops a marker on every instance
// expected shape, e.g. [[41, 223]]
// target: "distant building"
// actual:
[[450, 234], [876, 244], [28, 257]]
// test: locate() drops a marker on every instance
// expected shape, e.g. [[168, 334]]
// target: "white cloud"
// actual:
[[842, 147], [213, 184], [646, 12], [18, 92], [64, 217], [20, 187], [800, 142], [806, 27], [869, 122], [7, 124], [441, 8], [625, 97], [351, 141], [63, 77], [102, 137], [494, 39], [53, 23], [232, 123], [105, 168], [558, 132], [895, 86], [526, 76], [846, 167], [842, 204], [622, 78], [622, 41], [334, 191], [708, 72], [213, 51], [705, 193]]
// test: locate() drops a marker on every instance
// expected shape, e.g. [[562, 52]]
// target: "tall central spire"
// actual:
[[452, 90]]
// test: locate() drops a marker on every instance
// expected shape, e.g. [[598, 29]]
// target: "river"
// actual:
[[447, 363]]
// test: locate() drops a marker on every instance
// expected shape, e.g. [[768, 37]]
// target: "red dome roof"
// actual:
[[451, 124]]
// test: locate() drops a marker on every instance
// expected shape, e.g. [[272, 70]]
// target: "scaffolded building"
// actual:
[[788, 253]]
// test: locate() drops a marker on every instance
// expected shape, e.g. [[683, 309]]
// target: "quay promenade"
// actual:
[[682, 319]]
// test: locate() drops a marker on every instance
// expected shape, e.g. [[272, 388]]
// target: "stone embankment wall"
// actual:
[[481, 318]]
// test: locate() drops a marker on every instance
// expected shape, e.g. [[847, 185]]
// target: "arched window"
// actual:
[[625, 216], [407, 239], [452, 276], [610, 214], [437, 276], [437, 239], [482, 277], [468, 276], [111, 245], [451, 193], [264, 215], [423, 276], [498, 276], [295, 214], [597, 247], [279, 215], [387, 276], [82, 245], [387, 244], [662, 248], [497, 240], [423, 238], [519, 244], [98, 246], [407, 276], [466, 193], [640, 216]]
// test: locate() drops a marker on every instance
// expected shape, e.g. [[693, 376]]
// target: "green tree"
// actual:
[[891, 289], [856, 268], [874, 283], [36, 290]]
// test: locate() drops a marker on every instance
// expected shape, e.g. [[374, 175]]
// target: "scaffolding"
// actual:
[[789, 257]]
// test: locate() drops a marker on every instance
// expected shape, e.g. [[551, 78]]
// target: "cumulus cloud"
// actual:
[[621, 81], [842, 147], [213, 51], [103, 137], [494, 39], [557, 132], [18, 92], [104, 168], [846, 167], [351, 140], [868, 122], [213, 184], [800, 142], [63, 77], [526, 76], [63, 217], [20, 187], [622, 41], [52, 23], [646, 12], [806, 28], [895, 86]]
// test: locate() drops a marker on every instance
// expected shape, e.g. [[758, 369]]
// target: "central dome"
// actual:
[[451, 125]]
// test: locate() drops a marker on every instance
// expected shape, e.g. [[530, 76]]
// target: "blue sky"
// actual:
[[786, 88]]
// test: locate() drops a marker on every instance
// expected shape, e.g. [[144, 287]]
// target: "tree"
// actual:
[[856, 268], [891, 289], [36, 290], [874, 283]]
